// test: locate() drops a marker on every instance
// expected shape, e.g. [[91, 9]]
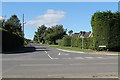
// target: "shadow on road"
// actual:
[[27, 49]]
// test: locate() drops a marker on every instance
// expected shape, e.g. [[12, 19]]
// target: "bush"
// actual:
[[76, 42], [11, 41], [60, 42], [67, 41]]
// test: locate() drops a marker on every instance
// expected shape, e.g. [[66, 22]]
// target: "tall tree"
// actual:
[[49, 35], [13, 25], [38, 37]]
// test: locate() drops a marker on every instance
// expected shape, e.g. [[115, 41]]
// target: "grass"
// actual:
[[78, 49], [71, 48], [82, 50]]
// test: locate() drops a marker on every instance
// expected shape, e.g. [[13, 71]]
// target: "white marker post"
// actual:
[[102, 46]]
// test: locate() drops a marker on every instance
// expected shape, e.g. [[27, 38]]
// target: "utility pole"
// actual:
[[82, 40], [23, 24], [23, 27]]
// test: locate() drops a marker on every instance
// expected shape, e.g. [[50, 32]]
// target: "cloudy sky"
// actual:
[[49, 18], [73, 15]]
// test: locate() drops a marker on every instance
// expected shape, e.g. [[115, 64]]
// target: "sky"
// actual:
[[74, 16]]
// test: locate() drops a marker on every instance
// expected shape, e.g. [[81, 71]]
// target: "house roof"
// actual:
[[75, 35], [87, 34], [84, 34]]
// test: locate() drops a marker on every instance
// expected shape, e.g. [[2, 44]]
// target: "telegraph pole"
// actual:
[[23, 26], [82, 39]]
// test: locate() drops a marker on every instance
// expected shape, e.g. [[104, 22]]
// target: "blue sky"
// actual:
[[74, 16]]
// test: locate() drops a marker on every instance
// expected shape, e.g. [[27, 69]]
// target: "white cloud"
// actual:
[[1, 18], [50, 18]]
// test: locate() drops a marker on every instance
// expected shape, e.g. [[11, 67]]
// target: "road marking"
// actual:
[[77, 64], [62, 54], [105, 63], [41, 64], [40, 49], [59, 74], [89, 57], [45, 51], [59, 53], [79, 58], [55, 58], [49, 56]]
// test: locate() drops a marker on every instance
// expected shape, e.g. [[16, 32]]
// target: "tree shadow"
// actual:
[[28, 49]]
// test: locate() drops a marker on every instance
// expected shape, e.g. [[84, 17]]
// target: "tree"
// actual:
[[70, 32], [49, 35], [54, 33], [38, 37], [13, 25]]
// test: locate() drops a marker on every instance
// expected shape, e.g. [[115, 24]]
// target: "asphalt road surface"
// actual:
[[38, 61]]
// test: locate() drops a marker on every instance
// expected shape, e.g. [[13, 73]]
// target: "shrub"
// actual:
[[67, 41], [11, 41]]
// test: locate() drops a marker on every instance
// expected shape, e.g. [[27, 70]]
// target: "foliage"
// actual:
[[106, 30], [76, 42], [70, 32], [12, 37], [11, 41], [13, 25], [49, 35], [38, 37], [67, 41]]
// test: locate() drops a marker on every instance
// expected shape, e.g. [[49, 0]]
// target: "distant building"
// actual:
[[83, 34]]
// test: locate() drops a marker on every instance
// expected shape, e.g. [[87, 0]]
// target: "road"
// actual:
[[38, 61]]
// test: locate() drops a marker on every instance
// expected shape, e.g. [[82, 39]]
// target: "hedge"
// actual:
[[11, 41], [76, 42], [106, 30]]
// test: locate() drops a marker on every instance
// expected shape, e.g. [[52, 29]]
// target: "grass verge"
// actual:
[[82, 50]]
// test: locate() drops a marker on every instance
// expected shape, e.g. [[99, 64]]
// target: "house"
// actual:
[[83, 34], [75, 35]]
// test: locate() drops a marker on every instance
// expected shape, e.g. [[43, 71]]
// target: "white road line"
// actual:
[[105, 63], [40, 49], [77, 64], [59, 54], [41, 64], [45, 51], [79, 58], [89, 57], [55, 58], [49, 56], [59, 74]]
